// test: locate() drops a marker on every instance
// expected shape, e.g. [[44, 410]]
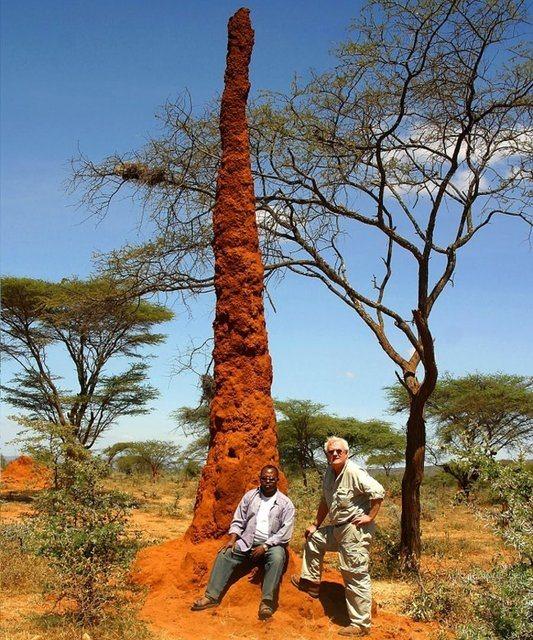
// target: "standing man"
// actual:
[[352, 500], [259, 532]]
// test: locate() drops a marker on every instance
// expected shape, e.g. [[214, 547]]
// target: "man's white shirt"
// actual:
[[261, 526]]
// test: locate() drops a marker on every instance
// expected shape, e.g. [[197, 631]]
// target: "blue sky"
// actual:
[[92, 76]]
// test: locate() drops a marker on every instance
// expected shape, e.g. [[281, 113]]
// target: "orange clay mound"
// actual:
[[176, 574], [24, 474], [243, 434]]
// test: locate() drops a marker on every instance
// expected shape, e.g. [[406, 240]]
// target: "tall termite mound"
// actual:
[[242, 421]]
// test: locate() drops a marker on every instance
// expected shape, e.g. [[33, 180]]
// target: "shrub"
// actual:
[[512, 487], [385, 547], [497, 604], [441, 597], [503, 606], [81, 530]]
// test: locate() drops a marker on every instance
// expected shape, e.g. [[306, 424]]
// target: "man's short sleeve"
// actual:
[[366, 484]]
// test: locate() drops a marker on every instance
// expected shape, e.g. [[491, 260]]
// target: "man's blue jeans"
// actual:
[[228, 561]]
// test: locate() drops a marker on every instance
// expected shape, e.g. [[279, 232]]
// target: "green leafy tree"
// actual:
[[93, 321], [156, 455], [303, 427], [418, 138], [485, 413], [388, 450]]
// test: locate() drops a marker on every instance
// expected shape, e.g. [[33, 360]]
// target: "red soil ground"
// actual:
[[176, 573], [24, 474]]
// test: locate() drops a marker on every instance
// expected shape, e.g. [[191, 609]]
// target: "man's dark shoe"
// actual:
[[204, 603], [311, 588], [266, 610], [354, 632]]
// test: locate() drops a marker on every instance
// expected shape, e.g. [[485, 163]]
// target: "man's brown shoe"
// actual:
[[204, 603], [266, 610], [354, 631], [311, 588]]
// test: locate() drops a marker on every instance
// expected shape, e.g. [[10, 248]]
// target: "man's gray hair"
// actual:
[[336, 439]]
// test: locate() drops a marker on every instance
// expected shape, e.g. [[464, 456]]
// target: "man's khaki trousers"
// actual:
[[352, 544]]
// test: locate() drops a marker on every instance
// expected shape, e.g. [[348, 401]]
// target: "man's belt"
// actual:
[[342, 524]]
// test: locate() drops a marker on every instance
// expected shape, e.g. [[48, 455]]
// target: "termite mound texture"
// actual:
[[242, 421], [24, 474], [175, 574]]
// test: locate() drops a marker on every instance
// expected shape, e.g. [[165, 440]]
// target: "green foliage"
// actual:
[[512, 485], [191, 470], [305, 499], [443, 598], [385, 547], [487, 412], [82, 531], [503, 607], [388, 449], [477, 414], [94, 321], [156, 455], [496, 604], [302, 430], [194, 421], [303, 427]]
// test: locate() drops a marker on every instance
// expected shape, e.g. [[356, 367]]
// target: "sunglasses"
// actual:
[[337, 451], [265, 479]]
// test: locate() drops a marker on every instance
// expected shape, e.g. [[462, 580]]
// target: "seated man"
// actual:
[[259, 532]]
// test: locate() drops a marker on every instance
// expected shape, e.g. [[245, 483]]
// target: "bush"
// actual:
[[512, 488], [385, 547], [503, 606], [497, 604], [81, 530], [441, 597]]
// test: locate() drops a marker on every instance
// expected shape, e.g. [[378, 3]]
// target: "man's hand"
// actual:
[[310, 530], [257, 553], [230, 544], [361, 520]]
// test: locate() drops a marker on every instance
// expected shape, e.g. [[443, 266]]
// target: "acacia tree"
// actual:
[[387, 450], [481, 414], [94, 321], [303, 427], [155, 454], [420, 136]]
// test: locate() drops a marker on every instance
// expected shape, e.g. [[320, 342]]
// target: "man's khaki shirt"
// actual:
[[348, 495]]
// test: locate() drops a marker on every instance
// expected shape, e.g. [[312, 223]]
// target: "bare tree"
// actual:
[[419, 137]]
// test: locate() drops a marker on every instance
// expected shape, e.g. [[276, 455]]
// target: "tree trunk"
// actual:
[[304, 476], [410, 542], [242, 423]]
